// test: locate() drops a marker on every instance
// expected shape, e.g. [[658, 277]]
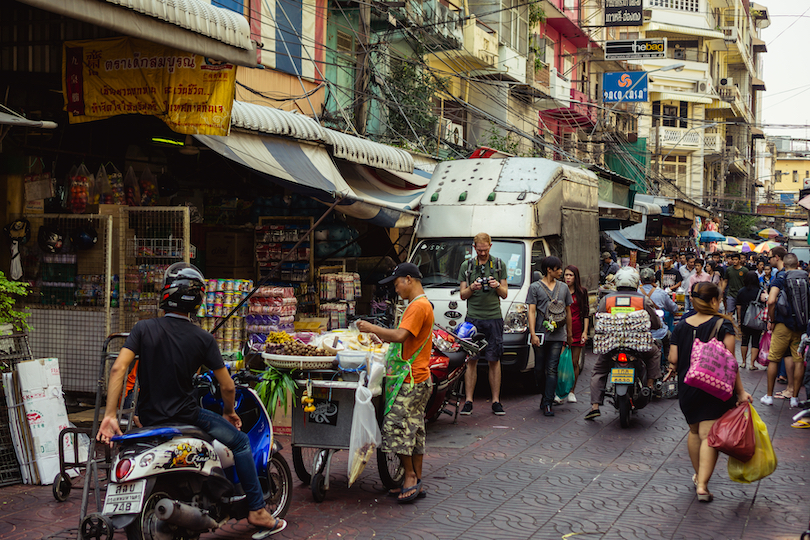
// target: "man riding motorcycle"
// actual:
[[626, 296]]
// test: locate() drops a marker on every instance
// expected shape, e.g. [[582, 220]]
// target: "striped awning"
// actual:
[[678, 29], [685, 96], [718, 104]]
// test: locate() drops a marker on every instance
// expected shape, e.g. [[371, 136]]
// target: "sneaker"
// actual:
[[497, 408], [572, 398], [593, 413], [466, 410], [794, 402], [557, 400], [766, 400], [547, 410]]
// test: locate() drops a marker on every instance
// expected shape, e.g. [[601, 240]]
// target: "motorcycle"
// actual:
[[626, 387], [448, 363], [175, 482]]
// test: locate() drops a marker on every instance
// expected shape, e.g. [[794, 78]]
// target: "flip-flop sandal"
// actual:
[[410, 493], [694, 479], [277, 528], [395, 493], [781, 380], [801, 424], [783, 395]]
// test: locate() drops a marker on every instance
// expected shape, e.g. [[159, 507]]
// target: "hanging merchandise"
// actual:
[[18, 232], [80, 186], [149, 188], [116, 180], [132, 193], [103, 190], [84, 237], [50, 239]]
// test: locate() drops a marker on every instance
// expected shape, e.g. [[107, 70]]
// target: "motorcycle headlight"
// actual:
[[517, 319]]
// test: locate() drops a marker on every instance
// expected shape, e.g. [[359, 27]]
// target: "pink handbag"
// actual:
[[712, 368]]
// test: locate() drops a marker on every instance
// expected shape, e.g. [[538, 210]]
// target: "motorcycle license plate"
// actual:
[[622, 375], [124, 498]]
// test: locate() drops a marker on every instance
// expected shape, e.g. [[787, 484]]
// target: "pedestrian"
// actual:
[[689, 268], [171, 350], [483, 284], [700, 408], [749, 293], [550, 326], [734, 282], [670, 278], [787, 328], [697, 276], [580, 319], [767, 277], [403, 427], [608, 267]]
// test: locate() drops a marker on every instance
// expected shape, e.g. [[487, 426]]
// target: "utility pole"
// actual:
[[361, 84]]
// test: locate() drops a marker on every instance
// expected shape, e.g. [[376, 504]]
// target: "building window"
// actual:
[[796, 177], [680, 5], [674, 169]]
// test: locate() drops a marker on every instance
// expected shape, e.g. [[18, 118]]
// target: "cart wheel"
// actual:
[[97, 527], [318, 487], [61, 487], [303, 458], [391, 470]]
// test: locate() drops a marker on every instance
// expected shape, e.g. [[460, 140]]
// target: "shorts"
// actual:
[[493, 333], [784, 342], [752, 336], [403, 429]]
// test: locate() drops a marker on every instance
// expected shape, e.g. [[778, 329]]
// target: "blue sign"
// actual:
[[625, 86]]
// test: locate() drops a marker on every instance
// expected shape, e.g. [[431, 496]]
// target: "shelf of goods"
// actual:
[[221, 297], [337, 295], [271, 309], [275, 238]]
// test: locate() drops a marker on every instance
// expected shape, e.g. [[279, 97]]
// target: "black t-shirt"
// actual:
[[171, 350], [670, 278]]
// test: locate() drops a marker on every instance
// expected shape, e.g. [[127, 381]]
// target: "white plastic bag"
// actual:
[[376, 373], [365, 436]]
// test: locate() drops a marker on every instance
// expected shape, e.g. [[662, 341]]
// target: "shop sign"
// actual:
[[623, 13], [626, 86], [108, 77], [635, 49]]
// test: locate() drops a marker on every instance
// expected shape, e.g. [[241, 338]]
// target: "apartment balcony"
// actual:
[[478, 51], [730, 93], [713, 143], [574, 109], [671, 138], [442, 25]]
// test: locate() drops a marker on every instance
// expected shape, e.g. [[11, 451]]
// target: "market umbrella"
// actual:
[[747, 247], [768, 233], [765, 246], [711, 236], [725, 246], [733, 241]]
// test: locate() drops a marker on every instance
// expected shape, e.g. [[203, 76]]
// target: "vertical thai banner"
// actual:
[[109, 77]]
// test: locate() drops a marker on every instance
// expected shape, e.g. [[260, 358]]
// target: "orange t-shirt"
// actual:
[[418, 320]]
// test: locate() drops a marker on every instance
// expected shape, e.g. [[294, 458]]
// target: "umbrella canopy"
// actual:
[[733, 241], [769, 233], [711, 236], [726, 246], [747, 247], [765, 246]]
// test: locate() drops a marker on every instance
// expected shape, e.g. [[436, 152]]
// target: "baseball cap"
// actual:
[[403, 270], [607, 255]]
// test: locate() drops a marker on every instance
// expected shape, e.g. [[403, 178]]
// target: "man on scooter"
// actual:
[[626, 280], [171, 350]]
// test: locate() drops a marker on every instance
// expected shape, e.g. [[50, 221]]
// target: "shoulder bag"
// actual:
[[397, 368], [712, 368]]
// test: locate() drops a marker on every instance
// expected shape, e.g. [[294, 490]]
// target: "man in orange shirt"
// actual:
[[403, 430]]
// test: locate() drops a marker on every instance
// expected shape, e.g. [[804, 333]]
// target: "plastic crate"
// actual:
[[59, 272], [59, 296]]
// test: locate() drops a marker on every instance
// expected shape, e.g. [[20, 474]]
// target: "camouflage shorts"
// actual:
[[403, 429]]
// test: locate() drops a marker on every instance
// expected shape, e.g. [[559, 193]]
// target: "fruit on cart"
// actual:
[[278, 337], [297, 348]]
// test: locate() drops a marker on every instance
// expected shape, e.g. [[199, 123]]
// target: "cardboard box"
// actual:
[[234, 249], [230, 272]]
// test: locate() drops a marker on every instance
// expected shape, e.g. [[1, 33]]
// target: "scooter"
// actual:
[[175, 482], [448, 363], [626, 384]]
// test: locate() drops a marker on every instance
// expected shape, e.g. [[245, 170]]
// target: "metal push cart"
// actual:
[[316, 436]]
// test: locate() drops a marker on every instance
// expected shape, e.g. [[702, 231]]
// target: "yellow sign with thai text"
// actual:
[[108, 77]]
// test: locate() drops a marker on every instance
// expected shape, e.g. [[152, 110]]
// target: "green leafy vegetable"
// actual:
[[274, 387]]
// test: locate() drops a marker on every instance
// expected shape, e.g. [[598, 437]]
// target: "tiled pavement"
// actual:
[[526, 476]]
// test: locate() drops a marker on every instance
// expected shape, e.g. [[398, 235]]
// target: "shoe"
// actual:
[[547, 410], [557, 400], [766, 400], [794, 403], [572, 398], [753, 368], [781, 380], [801, 424], [593, 413], [705, 497], [497, 408], [466, 410]]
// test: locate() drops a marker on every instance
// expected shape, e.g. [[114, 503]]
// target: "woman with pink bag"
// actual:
[[701, 408]]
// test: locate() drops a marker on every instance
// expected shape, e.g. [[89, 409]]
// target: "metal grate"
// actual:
[[70, 297], [13, 349]]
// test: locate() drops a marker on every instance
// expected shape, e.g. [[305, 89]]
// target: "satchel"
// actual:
[[733, 433], [555, 311], [712, 367], [755, 316]]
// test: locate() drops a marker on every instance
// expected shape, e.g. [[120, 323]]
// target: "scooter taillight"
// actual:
[[439, 362], [622, 359], [123, 468]]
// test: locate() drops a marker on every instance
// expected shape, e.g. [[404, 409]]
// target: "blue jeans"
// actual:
[[546, 361], [223, 431]]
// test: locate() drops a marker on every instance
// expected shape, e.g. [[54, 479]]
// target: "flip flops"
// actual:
[[410, 494], [784, 394], [801, 424], [781, 380], [396, 492], [277, 528]]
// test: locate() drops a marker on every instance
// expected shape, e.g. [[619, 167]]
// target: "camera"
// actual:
[[484, 281]]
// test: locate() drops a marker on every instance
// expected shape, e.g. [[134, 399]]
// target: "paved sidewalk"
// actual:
[[526, 476]]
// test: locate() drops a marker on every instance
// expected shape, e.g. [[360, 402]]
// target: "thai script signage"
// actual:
[[623, 13]]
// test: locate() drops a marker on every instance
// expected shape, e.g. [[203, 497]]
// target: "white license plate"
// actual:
[[124, 498]]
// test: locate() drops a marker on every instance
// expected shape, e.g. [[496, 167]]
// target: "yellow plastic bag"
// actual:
[[764, 461]]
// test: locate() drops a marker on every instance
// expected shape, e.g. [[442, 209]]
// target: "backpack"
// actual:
[[555, 310], [794, 300]]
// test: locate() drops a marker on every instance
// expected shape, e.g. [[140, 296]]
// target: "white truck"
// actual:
[[797, 243], [531, 207]]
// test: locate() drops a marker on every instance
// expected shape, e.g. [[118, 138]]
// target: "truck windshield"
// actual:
[[803, 253], [440, 260]]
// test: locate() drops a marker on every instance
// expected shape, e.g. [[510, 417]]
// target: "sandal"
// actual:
[[781, 380], [801, 424], [410, 494], [784, 394], [694, 479], [705, 497], [279, 526]]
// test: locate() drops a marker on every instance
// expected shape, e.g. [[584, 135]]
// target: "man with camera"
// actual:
[[483, 284]]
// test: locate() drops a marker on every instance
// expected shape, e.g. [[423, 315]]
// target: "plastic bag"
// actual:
[[116, 180], [80, 186], [764, 348], [365, 436], [565, 374], [149, 188], [132, 193], [764, 461], [733, 433]]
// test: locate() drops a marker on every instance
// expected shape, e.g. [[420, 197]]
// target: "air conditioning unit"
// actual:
[[646, 14], [703, 86], [453, 133], [730, 34], [726, 82]]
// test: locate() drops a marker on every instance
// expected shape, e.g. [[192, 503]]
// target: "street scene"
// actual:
[[333, 269]]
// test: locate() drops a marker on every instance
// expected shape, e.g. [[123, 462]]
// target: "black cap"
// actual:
[[403, 270]]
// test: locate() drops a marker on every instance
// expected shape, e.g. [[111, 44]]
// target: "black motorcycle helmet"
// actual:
[[50, 239], [85, 237], [183, 288]]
